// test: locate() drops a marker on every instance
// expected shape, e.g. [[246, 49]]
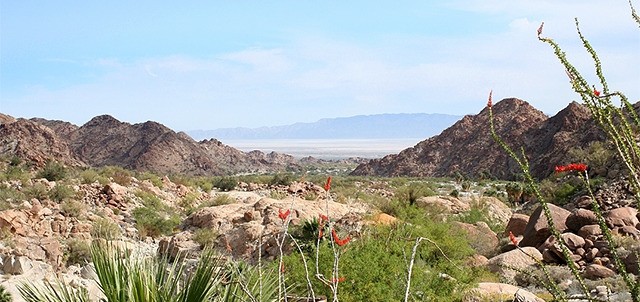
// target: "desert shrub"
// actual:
[[153, 223], [52, 171], [281, 179], [78, 251], [105, 228], [15, 170], [118, 175], [559, 193], [5, 296], [514, 191], [204, 183], [188, 201], [9, 196], [73, 208], [90, 176], [218, 200], [153, 178], [374, 267], [599, 156], [225, 183], [184, 180], [414, 190], [154, 218], [37, 190], [60, 193], [205, 236]]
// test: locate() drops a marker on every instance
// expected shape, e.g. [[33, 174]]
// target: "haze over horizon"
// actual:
[[209, 65]]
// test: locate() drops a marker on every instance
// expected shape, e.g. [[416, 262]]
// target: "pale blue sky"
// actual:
[[211, 64]]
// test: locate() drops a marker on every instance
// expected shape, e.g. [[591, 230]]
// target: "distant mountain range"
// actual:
[[401, 125]]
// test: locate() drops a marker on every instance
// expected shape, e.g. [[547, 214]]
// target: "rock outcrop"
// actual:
[[149, 146], [468, 148]]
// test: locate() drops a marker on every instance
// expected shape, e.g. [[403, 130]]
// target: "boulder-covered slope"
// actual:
[[149, 146], [468, 148]]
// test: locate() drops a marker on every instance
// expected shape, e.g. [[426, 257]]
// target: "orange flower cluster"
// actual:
[[327, 185], [323, 219], [337, 240], [596, 92], [341, 279], [513, 238], [283, 215], [571, 167]]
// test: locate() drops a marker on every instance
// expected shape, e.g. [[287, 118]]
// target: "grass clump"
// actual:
[[78, 251], [53, 171], [225, 183], [73, 208], [206, 237], [61, 192], [90, 176], [104, 228], [154, 218]]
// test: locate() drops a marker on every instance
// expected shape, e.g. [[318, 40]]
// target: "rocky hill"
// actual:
[[147, 146], [467, 147]]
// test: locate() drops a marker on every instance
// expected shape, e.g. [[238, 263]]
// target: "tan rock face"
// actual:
[[448, 204], [619, 217], [518, 258], [480, 237], [517, 224], [537, 230], [491, 290], [579, 218]]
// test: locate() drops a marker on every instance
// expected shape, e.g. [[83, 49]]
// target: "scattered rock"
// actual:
[[597, 271], [537, 230], [519, 258], [499, 292], [517, 224]]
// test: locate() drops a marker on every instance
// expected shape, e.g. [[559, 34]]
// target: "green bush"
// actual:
[[38, 191], [374, 267], [105, 228], [9, 196], [281, 179], [5, 296], [60, 193], [52, 171], [153, 222], [153, 178], [225, 183], [73, 208], [90, 176], [118, 175], [414, 190], [78, 252], [205, 236]]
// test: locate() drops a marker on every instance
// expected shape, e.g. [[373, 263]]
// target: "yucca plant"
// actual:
[[5, 296], [52, 292], [125, 278]]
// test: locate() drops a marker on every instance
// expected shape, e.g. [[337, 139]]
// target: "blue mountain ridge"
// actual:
[[377, 126]]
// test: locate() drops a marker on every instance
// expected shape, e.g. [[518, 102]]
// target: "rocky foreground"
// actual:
[[38, 233]]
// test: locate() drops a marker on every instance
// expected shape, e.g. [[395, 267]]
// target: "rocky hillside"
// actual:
[[467, 146], [147, 146]]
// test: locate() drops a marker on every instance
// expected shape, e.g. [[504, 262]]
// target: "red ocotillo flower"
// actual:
[[282, 267], [571, 167], [540, 29], [327, 185], [284, 215], [341, 279], [323, 218], [596, 92], [490, 102], [337, 240], [513, 238]]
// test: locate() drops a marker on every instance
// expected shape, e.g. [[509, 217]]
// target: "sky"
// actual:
[[216, 64]]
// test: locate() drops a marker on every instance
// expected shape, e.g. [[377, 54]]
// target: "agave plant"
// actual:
[[5, 296], [126, 278]]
